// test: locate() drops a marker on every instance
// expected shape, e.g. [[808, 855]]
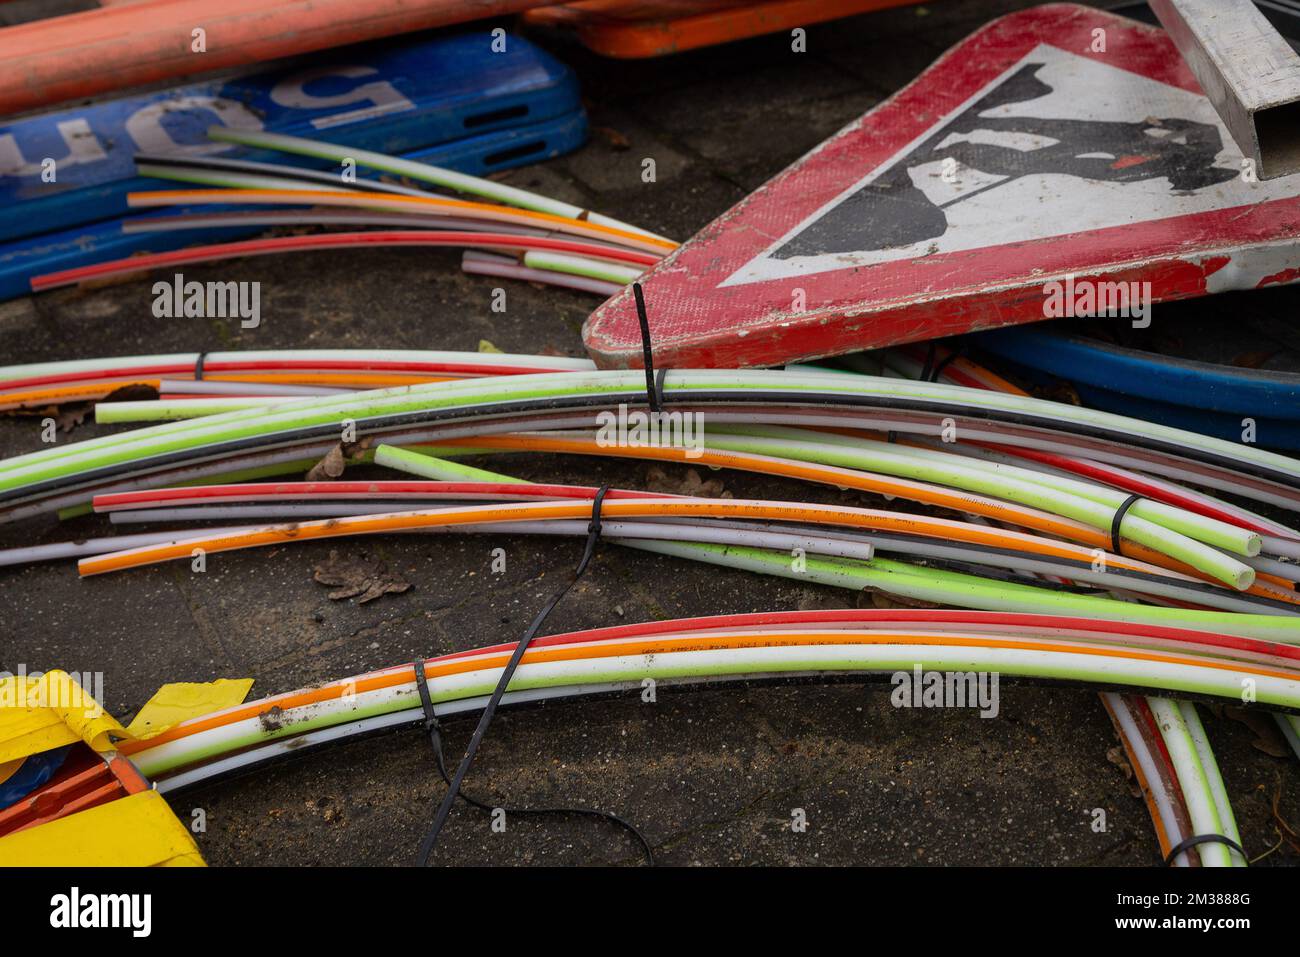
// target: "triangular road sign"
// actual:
[[1056, 148]]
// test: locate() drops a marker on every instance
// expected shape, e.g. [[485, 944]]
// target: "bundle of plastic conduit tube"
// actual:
[[517, 234], [1117, 577], [1134, 716]]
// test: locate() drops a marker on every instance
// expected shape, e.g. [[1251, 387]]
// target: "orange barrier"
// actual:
[[86, 780], [148, 41], [634, 29]]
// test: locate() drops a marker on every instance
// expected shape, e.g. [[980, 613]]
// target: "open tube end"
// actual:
[[1277, 131]]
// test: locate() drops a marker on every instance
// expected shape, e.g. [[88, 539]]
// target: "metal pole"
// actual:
[[1250, 74]]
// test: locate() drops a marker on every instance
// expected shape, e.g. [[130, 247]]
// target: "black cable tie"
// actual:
[[1115, 523], [431, 722], [953, 353], [593, 527], [659, 388], [929, 361], [432, 726], [647, 351], [891, 436], [198, 366], [1196, 839]]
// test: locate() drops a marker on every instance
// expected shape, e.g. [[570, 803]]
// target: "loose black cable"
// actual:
[[431, 722], [434, 729]]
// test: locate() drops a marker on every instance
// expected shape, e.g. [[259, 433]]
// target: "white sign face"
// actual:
[[1058, 144]]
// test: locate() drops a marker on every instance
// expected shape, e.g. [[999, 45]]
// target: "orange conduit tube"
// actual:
[[863, 481], [39, 398], [664, 645], [466, 209], [540, 511]]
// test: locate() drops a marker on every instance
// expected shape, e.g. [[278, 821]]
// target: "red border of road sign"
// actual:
[[696, 324]]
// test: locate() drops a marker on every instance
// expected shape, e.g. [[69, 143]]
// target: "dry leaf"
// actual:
[[330, 467], [336, 460], [1058, 392], [361, 576], [1119, 758], [1253, 360], [1267, 737], [134, 392], [686, 483], [879, 598], [71, 416], [613, 137]]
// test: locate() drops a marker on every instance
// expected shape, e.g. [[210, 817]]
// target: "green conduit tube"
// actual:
[[232, 180], [969, 591], [423, 172], [1197, 554], [618, 384], [697, 665], [1290, 725], [1201, 556], [581, 266], [1203, 529], [439, 470], [1194, 779]]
